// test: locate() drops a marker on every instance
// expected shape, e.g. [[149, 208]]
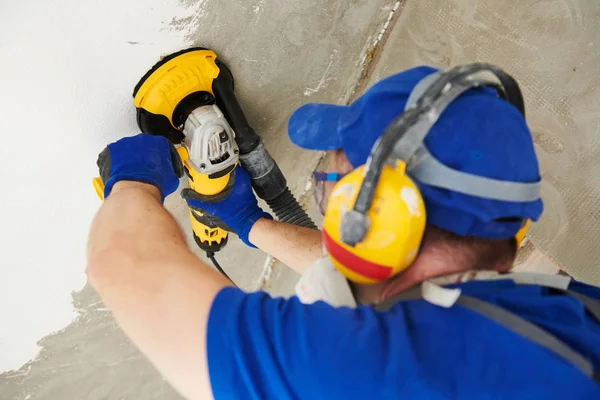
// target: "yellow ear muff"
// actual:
[[396, 225], [520, 236]]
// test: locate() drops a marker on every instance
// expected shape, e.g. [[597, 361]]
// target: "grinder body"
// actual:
[[175, 99], [209, 155]]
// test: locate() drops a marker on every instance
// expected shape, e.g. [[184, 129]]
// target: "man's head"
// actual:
[[478, 133]]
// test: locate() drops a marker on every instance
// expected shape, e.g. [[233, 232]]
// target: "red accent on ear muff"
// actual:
[[354, 263]]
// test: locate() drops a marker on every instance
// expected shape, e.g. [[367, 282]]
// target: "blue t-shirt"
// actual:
[[264, 348]]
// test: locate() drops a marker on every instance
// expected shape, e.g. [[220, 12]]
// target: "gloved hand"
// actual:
[[239, 210], [142, 158]]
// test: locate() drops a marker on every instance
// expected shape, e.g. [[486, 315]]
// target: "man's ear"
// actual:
[[338, 162], [345, 164]]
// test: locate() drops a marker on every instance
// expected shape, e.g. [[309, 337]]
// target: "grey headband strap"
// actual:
[[428, 170], [436, 104]]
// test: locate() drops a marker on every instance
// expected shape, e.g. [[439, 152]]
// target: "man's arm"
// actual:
[[295, 246], [159, 292]]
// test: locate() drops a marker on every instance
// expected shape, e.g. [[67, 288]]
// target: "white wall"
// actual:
[[67, 73]]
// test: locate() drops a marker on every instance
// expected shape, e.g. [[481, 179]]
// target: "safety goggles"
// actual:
[[319, 179]]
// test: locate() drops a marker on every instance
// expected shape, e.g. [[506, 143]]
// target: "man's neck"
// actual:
[[423, 269]]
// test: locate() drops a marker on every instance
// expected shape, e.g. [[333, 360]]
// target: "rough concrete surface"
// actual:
[[285, 53]]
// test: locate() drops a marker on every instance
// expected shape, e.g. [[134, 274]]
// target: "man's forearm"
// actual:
[[159, 292], [295, 246], [133, 221]]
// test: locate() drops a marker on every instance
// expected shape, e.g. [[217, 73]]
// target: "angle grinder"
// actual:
[[188, 97]]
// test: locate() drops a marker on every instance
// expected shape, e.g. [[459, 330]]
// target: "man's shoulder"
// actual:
[[415, 349]]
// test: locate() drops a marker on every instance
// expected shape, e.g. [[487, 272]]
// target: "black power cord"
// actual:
[[211, 257]]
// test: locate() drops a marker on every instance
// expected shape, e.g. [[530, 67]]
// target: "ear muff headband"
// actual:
[[404, 137]]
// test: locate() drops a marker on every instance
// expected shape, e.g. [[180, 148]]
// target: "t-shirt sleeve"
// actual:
[[264, 348]]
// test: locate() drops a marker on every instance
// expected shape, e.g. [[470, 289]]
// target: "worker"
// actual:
[[464, 329]]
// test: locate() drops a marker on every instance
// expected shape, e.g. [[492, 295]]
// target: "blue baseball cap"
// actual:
[[478, 133]]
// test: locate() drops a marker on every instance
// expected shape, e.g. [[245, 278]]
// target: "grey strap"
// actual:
[[414, 136], [420, 88], [428, 170], [560, 282], [527, 330], [445, 88], [516, 324], [592, 306], [411, 294]]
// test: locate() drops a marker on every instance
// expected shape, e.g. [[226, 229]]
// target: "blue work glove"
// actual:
[[239, 210], [142, 158]]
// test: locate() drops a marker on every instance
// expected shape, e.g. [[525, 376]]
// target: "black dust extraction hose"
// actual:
[[267, 179], [270, 185]]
